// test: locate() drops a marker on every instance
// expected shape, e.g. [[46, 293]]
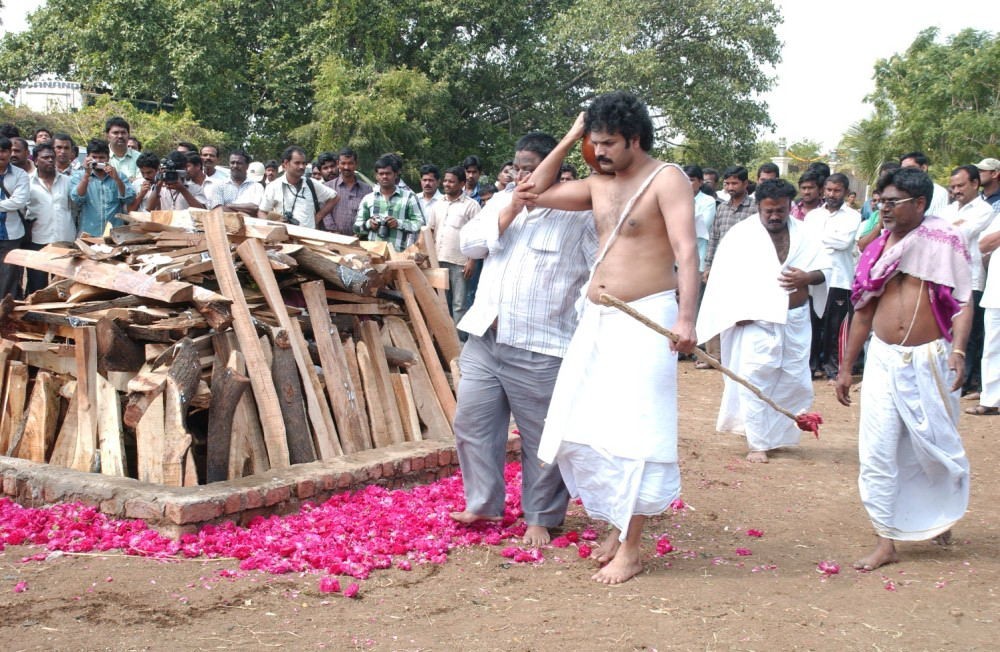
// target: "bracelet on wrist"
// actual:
[[958, 352]]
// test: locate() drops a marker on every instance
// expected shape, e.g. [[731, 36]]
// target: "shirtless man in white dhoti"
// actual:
[[757, 300], [612, 422], [912, 286]]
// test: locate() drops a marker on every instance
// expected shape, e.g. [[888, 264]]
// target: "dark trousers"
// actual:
[[838, 307], [37, 279], [10, 275], [974, 347]]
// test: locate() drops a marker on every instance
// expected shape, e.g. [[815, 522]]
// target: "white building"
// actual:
[[49, 95]]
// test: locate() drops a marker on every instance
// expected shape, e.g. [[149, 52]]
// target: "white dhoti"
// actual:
[[990, 396], [914, 478], [612, 422], [775, 358]]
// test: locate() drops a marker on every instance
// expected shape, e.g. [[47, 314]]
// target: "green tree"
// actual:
[[942, 98], [865, 147]]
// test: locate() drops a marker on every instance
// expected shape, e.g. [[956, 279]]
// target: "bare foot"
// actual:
[[468, 518], [626, 564], [943, 539], [884, 553], [536, 535], [757, 457], [609, 547]]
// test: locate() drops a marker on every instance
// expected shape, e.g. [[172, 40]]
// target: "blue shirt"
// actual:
[[101, 203]]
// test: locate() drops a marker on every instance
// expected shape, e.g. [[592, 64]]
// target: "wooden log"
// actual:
[[432, 363], [373, 395], [435, 313], [62, 449], [149, 437], [372, 337], [339, 384], [365, 282], [407, 409], [259, 372], [142, 389], [102, 275], [109, 429], [381, 308], [424, 397], [228, 388], [7, 352], [289, 384], [399, 357], [38, 429], [176, 439], [252, 253], [15, 394], [115, 350], [85, 449], [247, 452], [429, 248], [351, 358]]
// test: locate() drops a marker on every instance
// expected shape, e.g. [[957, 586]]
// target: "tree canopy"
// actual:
[[942, 98], [433, 80]]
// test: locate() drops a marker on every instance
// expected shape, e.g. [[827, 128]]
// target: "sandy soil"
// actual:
[[702, 596]]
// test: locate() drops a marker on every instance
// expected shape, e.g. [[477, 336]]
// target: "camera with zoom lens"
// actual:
[[382, 226], [287, 215], [98, 165], [170, 171]]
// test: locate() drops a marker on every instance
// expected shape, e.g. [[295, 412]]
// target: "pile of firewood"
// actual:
[[189, 347]]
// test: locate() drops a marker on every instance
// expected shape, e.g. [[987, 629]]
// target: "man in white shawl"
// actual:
[[757, 299], [612, 422], [912, 287]]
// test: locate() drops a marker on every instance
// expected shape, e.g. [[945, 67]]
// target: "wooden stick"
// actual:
[[610, 300]]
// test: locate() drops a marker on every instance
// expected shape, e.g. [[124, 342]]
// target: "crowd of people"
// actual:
[[784, 284]]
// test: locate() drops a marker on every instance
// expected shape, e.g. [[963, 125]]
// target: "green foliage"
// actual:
[[866, 146], [942, 98], [431, 79]]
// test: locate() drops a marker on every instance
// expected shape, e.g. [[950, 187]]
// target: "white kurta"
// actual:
[[914, 478], [612, 422]]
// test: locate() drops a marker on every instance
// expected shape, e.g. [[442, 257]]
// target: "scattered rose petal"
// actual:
[[743, 552], [329, 585], [677, 505], [755, 533], [21, 587], [583, 551], [560, 542], [352, 590], [589, 534], [828, 567], [663, 546]]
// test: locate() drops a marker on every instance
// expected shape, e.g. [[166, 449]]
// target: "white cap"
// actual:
[[255, 171]]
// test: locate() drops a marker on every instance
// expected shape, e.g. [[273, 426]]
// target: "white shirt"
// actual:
[[532, 274], [446, 220], [51, 211], [427, 205], [280, 196], [229, 192], [971, 220], [16, 196], [173, 200], [991, 292], [939, 201], [838, 229]]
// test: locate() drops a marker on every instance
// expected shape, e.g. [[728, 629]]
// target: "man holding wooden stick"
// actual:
[[612, 422]]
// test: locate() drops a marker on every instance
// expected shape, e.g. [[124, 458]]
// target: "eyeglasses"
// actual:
[[893, 203]]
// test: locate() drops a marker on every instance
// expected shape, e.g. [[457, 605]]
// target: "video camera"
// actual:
[[170, 171]]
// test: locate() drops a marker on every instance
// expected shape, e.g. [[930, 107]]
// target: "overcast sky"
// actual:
[[827, 60]]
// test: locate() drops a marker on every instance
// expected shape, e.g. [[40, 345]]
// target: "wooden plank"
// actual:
[[62, 449], [432, 363], [435, 313], [437, 277], [407, 409], [85, 449], [424, 397], [381, 308], [116, 351], [350, 297], [258, 370], [252, 253], [376, 415], [109, 429], [102, 275], [149, 436], [228, 387], [39, 428], [339, 386], [7, 352], [351, 357], [305, 232], [248, 454], [15, 395], [372, 337], [289, 384]]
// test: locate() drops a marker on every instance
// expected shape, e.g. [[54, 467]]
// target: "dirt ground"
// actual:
[[702, 596]]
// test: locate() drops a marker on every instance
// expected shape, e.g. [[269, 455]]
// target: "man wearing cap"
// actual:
[[989, 181], [237, 193], [255, 172]]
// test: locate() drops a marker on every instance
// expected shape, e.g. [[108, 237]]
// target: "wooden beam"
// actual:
[[424, 397], [435, 313], [85, 451], [387, 401], [376, 415], [109, 429], [353, 368], [228, 387], [258, 370], [289, 384], [39, 426], [407, 409], [149, 437]]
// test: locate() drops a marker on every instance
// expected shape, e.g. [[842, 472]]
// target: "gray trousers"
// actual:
[[497, 381], [457, 288]]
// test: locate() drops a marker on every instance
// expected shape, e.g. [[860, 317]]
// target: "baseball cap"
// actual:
[[255, 171], [989, 164]]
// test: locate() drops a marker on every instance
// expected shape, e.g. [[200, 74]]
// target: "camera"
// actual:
[[383, 228], [97, 165], [170, 171], [287, 215]]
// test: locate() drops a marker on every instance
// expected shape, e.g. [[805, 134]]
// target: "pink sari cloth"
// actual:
[[933, 252]]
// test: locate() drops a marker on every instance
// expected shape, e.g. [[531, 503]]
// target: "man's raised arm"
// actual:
[[543, 188]]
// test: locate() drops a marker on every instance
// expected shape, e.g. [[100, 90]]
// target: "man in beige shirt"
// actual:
[[446, 220]]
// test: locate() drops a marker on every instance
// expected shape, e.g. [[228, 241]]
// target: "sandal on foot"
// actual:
[[983, 411]]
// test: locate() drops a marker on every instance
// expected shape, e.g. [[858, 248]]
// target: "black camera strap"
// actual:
[[312, 189]]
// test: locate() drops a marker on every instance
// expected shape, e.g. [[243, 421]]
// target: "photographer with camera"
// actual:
[[294, 198], [98, 190], [390, 213], [143, 184], [180, 183]]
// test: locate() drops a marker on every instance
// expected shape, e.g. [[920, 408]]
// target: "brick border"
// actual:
[[174, 511]]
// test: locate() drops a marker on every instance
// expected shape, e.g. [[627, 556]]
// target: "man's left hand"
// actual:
[[469, 268], [793, 278], [686, 338], [957, 364], [392, 223]]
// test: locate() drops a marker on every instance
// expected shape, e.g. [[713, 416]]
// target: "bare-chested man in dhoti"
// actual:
[[612, 422]]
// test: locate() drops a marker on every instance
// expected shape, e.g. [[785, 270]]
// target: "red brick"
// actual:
[[233, 503], [305, 489], [199, 512], [276, 495], [443, 473], [390, 469], [252, 499], [345, 480], [416, 463], [375, 471], [112, 506], [430, 460], [444, 458], [143, 509], [10, 485]]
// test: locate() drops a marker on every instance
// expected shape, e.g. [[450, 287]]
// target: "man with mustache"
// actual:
[[612, 423], [758, 299]]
